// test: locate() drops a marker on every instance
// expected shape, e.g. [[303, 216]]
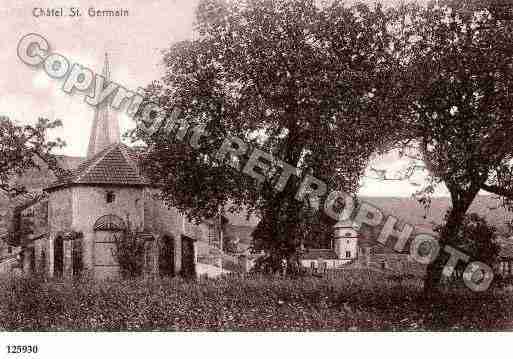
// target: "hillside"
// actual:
[[409, 210]]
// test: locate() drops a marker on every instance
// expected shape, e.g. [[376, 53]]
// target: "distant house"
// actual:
[[344, 249], [504, 265]]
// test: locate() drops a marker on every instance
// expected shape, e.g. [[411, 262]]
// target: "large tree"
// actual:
[[301, 81], [458, 85], [22, 148]]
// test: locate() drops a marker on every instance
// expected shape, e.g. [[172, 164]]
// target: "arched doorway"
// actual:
[[167, 256], [58, 257], [106, 229]]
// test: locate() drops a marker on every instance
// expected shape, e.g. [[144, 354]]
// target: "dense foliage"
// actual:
[[129, 252], [304, 82], [324, 86], [457, 83], [24, 147], [476, 238]]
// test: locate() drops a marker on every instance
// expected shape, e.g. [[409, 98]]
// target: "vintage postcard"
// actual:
[[253, 166]]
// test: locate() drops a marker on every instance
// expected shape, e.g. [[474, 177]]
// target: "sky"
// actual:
[[134, 44]]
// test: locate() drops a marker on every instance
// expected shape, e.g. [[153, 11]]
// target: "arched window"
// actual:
[[109, 222]]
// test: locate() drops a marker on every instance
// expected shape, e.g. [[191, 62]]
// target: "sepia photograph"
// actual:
[[276, 166]]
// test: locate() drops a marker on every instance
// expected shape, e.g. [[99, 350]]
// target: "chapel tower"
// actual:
[[105, 130]]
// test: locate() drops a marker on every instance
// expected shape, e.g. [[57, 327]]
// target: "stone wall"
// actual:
[[37, 215], [162, 221], [89, 204], [43, 256], [60, 210]]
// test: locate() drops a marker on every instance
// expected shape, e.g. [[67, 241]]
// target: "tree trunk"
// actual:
[[456, 215], [279, 227], [434, 274]]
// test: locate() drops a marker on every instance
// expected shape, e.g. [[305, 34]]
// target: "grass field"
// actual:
[[357, 300]]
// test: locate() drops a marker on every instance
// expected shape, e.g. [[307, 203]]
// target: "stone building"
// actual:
[[75, 224], [344, 249], [355, 247]]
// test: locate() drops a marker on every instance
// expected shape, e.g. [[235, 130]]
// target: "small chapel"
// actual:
[[75, 222]]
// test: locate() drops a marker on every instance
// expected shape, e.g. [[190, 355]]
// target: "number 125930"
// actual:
[[22, 349]]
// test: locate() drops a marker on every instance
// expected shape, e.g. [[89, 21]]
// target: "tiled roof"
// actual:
[[116, 165]]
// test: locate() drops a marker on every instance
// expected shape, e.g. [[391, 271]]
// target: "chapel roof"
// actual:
[[117, 164]]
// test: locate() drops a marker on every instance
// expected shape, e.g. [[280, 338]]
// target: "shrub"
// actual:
[[129, 252]]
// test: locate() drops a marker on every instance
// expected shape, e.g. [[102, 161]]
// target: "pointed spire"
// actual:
[[105, 130]]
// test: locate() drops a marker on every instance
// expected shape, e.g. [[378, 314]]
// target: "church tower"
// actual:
[[105, 130]]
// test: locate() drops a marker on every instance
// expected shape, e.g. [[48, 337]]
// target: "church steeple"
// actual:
[[105, 130]]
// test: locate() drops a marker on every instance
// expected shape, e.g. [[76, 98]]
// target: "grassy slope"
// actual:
[[360, 300]]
